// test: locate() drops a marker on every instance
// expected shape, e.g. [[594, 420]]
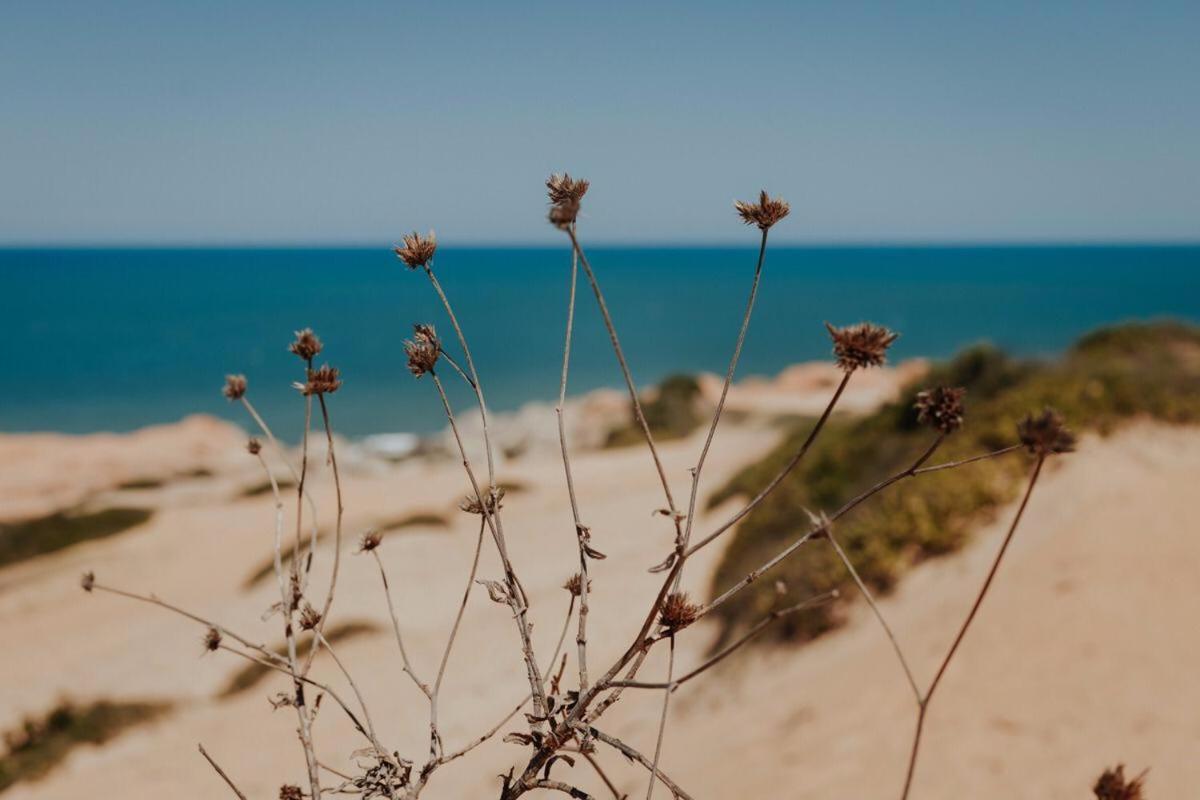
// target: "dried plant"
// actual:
[[561, 720]]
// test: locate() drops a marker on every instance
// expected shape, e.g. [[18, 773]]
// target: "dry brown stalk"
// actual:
[[962, 631], [229, 781], [561, 722]]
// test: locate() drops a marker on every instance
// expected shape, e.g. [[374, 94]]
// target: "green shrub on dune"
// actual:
[[1111, 375]]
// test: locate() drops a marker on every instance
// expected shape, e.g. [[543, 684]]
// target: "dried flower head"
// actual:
[[369, 541], [1113, 786], [88, 581], [942, 408], [563, 215], [323, 380], [290, 791], [861, 345], [306, 345], [235, 387], [212, 639], [471, 504], [422, 350], [253, 446], [309, 617], [678, 612], [765, 213], [574, 585], [1045, 433], [565, 194], [418, 250], [562, 188]]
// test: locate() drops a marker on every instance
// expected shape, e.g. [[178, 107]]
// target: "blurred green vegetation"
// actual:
[[37, 745], [671, 411], [1108, 376], [34, 537]]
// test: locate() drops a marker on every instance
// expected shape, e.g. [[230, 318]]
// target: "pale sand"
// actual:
[[1085, 653]]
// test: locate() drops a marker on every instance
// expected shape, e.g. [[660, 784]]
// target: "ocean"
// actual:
[[116, 339]]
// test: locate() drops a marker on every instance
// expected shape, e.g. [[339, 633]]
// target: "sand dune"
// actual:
[[1085, 653]]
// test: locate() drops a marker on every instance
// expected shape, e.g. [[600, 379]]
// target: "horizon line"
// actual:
[[233, 244]]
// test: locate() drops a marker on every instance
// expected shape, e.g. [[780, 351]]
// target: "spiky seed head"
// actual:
[[678, 611], [471, 504], [1112, 785], [253, 446], [417, 250], [290, 791], [323, 380], [941, 408], [306, 345], [1045, 433], [562, 188], [565, 194], [861, 345], [88, 581], [563, 215], [212, 639], [369, 541], [574, 585], [423, 350], [765, 213], [424, 332], [235, 387], [309, 617]]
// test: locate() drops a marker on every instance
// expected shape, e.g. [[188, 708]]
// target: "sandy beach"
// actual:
[[1084, 654]]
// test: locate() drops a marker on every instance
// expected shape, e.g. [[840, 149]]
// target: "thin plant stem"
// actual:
[[866, 593], [729, 373], [982, 456], [520, 607], [300, 488], [559, 786], [429, 768], [475, 384], [662, 721], [612, 787], [229, 781], [287, 610], [819, 527], [581, 531], [156, 601], [962, 632], [638, 414], [324, 688], [354, 688], [734, 646], [387, 592], [283, 456], [337, 538], [696, 471], [630, 752], [783, 473], [435, 739]]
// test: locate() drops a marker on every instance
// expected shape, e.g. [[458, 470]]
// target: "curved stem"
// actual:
[[662, 721], [962, 632], [581, 532], [638, 414], [733, 362], [783, 473], [866, 593], [337, 539]]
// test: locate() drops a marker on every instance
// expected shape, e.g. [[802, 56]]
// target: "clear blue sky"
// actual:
[[213, 122]]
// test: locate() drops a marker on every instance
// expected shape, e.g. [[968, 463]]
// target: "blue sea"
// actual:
[[115, 339]]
